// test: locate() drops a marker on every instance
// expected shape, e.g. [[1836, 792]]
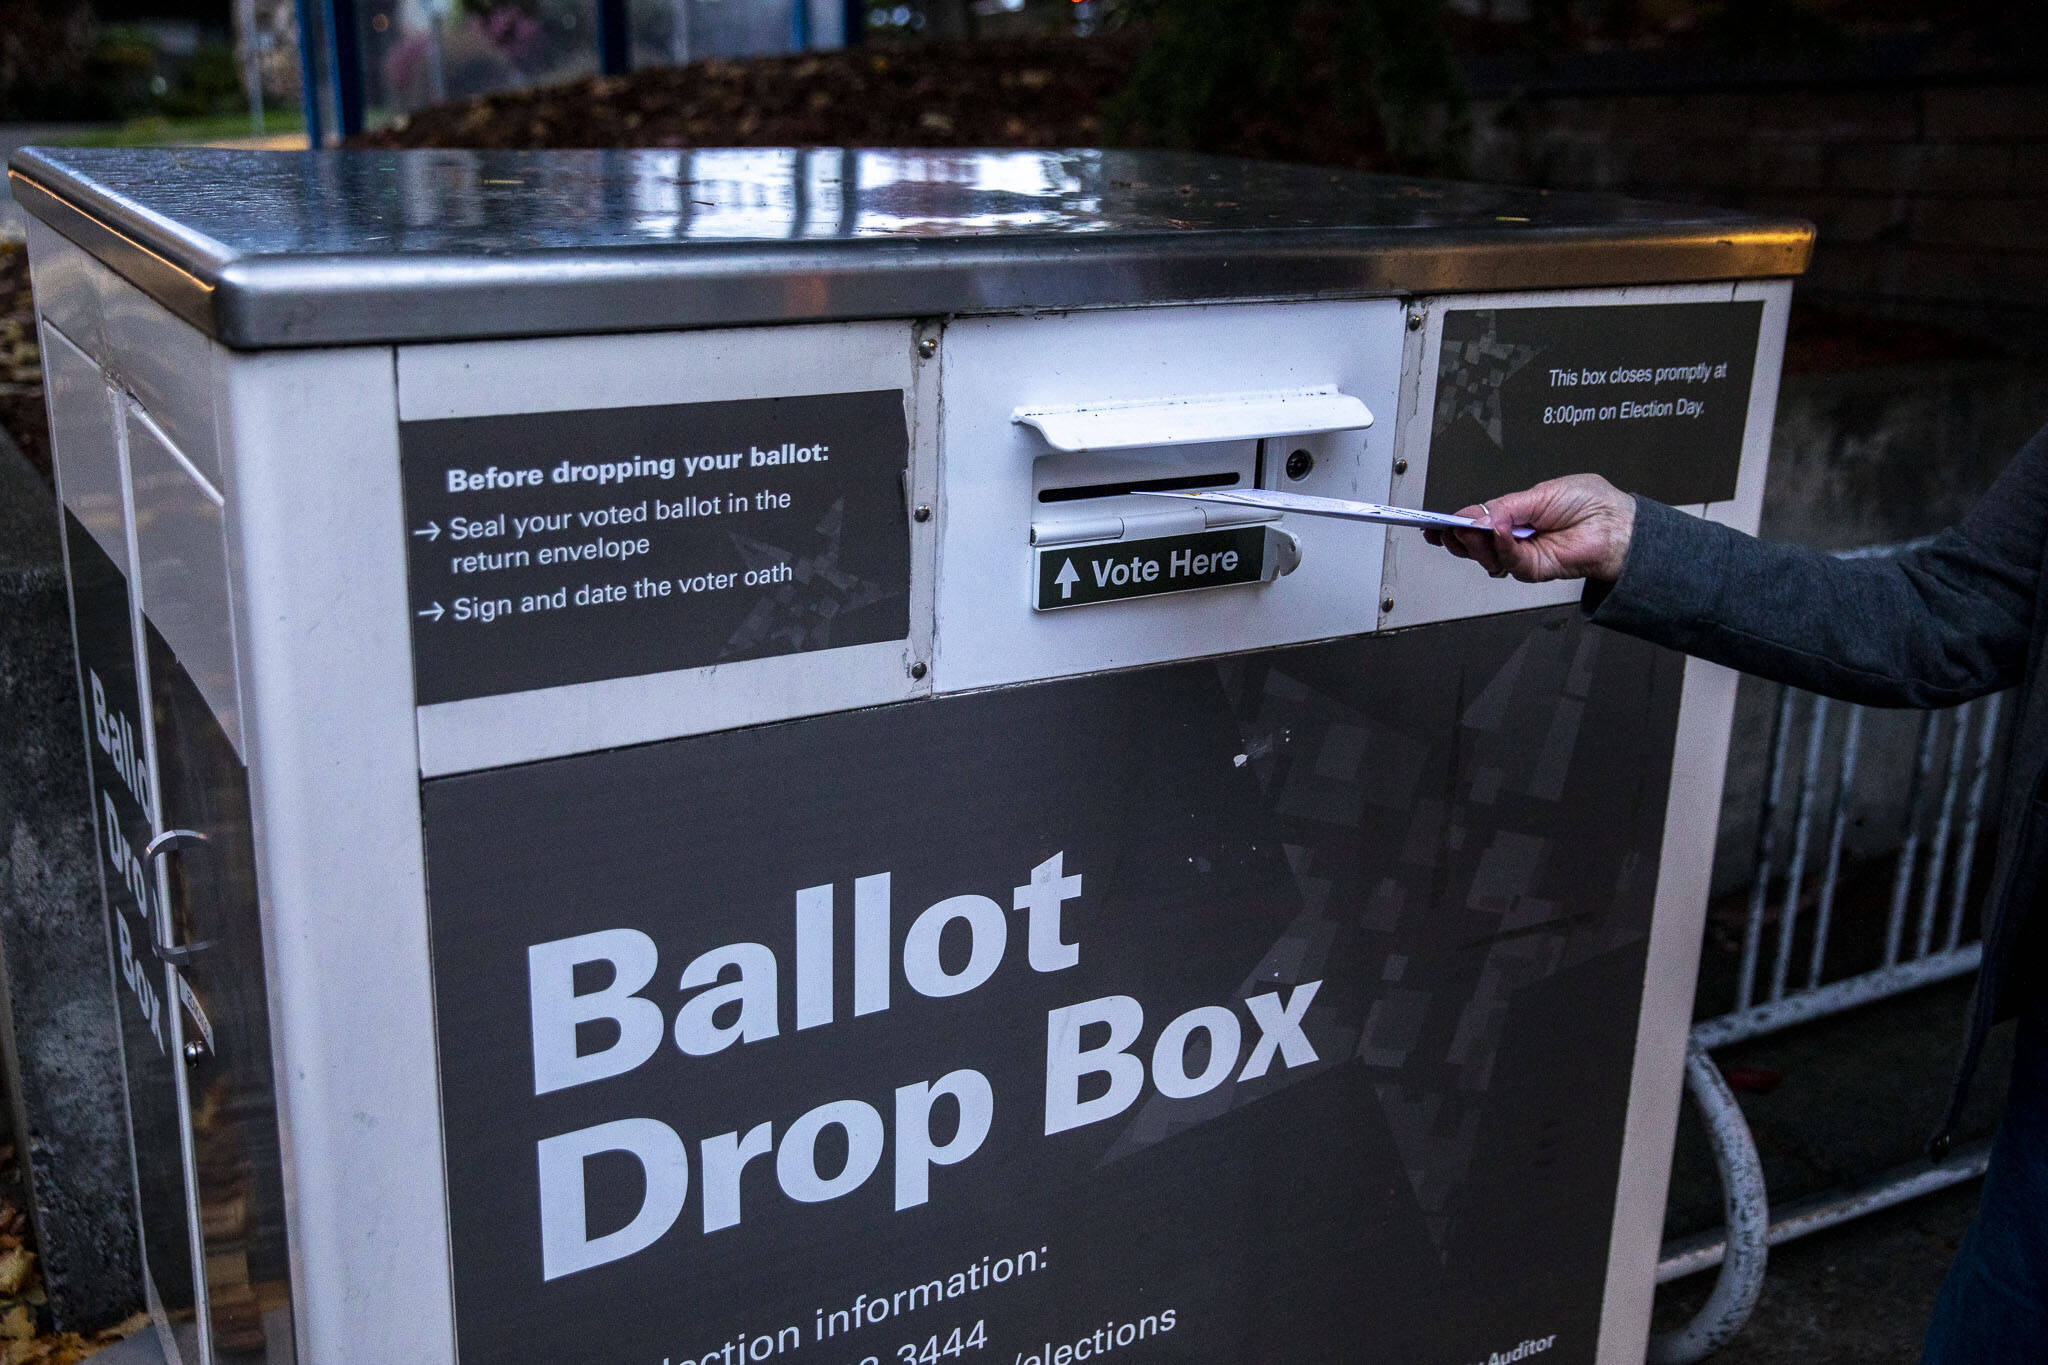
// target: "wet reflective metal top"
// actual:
[[268, 249]]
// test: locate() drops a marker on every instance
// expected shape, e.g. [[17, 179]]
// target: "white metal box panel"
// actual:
[[317, 548], [142, 346], [85, 443], [167, 364], [994, 468], [1745, 510], [184, 570], [574, 374], [68, 286]]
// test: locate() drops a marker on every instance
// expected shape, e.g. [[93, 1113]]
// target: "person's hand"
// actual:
[[1582, 523]]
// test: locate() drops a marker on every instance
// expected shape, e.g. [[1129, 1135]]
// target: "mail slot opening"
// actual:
[[1181, 484]]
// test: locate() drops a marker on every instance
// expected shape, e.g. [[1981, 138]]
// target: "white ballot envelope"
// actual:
[[1341, 508]]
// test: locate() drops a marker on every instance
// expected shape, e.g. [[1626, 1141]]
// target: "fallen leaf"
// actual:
[[123, 1329], [17, 1264]]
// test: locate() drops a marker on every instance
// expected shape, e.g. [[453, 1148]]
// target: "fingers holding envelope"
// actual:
[[1582, 524]]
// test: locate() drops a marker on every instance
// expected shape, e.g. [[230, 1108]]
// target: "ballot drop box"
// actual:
[[667, 795]]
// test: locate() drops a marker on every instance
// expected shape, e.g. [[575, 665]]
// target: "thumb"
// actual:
[[1504, 513]]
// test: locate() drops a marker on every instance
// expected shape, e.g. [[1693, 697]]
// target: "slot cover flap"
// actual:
[[1196, 421]]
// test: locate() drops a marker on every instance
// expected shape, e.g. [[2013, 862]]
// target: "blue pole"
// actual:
[[799, 25], [614, 38], [309, 69], [347, 52]]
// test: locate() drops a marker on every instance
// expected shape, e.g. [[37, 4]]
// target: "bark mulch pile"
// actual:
[[1050, 91], [1017, 93], [21, 367]]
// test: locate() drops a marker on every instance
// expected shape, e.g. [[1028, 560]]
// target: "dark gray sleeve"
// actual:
[[1932, 627]]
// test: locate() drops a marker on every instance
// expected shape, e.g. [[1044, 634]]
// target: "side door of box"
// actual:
[[97, 529], [230, 1108], [211, 929]]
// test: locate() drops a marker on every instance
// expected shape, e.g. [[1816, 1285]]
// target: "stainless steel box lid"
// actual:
[[292, 249]]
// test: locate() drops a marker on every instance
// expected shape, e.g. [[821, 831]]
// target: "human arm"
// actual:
[[1933, 626]]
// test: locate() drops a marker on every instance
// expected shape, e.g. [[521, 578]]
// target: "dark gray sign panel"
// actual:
[[565, 547], [1079, 575], [1653, 396], [1277, 1009]]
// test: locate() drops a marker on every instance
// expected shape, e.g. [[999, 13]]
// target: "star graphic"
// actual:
[[799, 614], [1470, 375]]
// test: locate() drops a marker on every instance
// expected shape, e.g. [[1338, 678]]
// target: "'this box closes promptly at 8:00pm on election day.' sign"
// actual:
[[1654, 396]]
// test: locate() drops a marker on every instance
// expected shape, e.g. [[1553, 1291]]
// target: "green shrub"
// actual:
[[208, 82], [120, 74], [1240, 74]]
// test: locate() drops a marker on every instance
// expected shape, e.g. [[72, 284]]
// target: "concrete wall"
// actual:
[[1927, 184], [56, 1002]]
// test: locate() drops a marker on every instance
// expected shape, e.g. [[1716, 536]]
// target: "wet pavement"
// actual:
[[1853, 1096], [1857, 1295]]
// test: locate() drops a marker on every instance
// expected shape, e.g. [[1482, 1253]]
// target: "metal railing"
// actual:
[[1925, 940]]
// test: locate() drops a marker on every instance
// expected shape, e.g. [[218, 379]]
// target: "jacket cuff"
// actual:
[[1666, 581]]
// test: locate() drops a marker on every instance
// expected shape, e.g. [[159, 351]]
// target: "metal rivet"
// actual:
[[1386, 604], [917, 670], [928, 347], [1415, 321], [1400, 466], [923, 513], [195, 1052]]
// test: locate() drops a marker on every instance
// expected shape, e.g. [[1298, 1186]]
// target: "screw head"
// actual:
[[1299, 464], [917, 670], [923, 513], [928, 347], [1415, 320], [195, 1052], [1386, 604], [1400, 466]]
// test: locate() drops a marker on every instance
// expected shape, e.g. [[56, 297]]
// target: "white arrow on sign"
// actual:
[[1066, 578], [432, 531], [433, 614]]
